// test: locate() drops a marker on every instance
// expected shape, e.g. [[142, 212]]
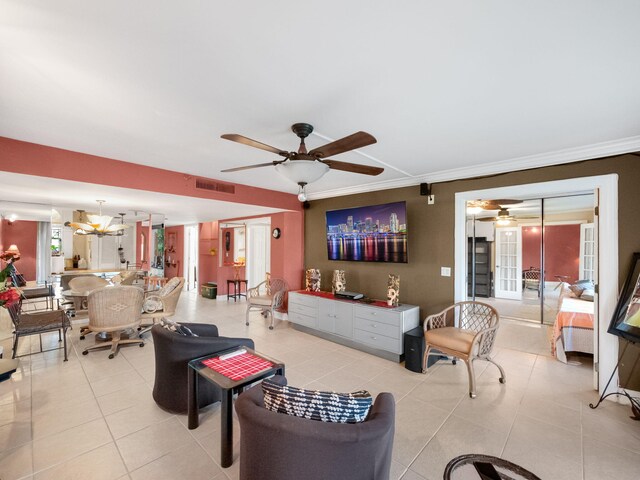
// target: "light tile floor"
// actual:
[[92, 417]]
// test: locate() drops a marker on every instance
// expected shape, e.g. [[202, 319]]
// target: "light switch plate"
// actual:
[[445, 271]]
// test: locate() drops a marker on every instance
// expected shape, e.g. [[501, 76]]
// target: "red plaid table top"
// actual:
[[238, 367]]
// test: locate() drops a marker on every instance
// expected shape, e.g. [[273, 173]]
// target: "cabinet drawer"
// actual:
[[306, 320], [373, 326], [303, 309], [302, 299], [378, 341], [378, 315]]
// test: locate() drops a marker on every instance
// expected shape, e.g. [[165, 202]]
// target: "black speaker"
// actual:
[[414, 350], [424, 189]]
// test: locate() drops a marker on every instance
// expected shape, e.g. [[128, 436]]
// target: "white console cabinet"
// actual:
[[375, 329]]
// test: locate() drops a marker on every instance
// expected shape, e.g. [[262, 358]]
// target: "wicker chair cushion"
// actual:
[[152, 304], [262, 300], [450, 338], [41, 322], [169, 287]]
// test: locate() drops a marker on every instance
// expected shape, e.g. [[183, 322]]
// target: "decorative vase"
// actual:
[[339, 283], [393, 290], [312, 280]]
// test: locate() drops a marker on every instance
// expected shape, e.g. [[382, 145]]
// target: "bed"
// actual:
[[573, 328]]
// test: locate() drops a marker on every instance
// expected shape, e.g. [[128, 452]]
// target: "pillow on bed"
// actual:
[[582, 287], [576, 290]]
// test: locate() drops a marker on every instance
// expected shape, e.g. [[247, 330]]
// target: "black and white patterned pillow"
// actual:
[[317, 405]]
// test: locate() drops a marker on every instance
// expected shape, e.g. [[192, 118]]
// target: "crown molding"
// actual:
[[558, 157]]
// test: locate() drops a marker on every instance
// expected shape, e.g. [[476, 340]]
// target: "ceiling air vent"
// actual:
[[204, 184]]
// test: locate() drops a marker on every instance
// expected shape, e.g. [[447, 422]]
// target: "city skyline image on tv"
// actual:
[[376, 233]]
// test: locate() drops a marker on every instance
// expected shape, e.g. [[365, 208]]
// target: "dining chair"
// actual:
[[37, 323], [115, 310]]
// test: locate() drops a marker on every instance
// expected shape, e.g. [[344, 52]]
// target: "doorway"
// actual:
[[259, 251], [605, 188], [191, 256]]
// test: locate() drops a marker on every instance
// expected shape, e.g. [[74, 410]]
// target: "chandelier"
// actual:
[[99, 225]]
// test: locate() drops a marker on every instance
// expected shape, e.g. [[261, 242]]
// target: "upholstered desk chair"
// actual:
[[174, 351], [114, 310], [277, 446], [161, 304], [36, 323], [470, 340], [267, 297]]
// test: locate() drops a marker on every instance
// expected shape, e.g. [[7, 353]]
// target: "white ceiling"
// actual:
[[37, 195], [458, 87]]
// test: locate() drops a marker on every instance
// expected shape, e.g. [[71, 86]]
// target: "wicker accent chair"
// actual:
[[268, 300], [85, 283], [124, 278], [161, 304], [114, 310], [472, 339], [36, 323]]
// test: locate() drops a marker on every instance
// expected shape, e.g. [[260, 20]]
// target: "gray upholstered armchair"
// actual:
[[174, 351], [267, 297], [276, 446]]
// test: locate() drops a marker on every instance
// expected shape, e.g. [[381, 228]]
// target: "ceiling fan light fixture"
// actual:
[[302, 194], [99, 225], [503, 221], [302, 171]]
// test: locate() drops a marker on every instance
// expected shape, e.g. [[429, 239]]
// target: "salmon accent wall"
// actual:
[[207, 263], [173, 260], [24, 234], [287, 252], [33, 159], [562, 250]]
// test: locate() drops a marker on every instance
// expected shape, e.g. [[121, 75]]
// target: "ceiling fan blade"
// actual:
[[505, 201], [356, 140], [353, 167], [253, 143], [492, 204], [248, 167], [487, 219]]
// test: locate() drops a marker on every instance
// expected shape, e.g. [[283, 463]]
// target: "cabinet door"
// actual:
[[343, 319], [326, 315]]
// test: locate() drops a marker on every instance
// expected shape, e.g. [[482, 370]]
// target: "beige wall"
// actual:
[[431, 237]]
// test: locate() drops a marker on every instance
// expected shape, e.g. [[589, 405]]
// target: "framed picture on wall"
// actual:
[[626, 317]]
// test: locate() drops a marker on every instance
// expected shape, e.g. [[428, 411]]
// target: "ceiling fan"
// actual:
[[503, 217], [304, 167], [497, 204]]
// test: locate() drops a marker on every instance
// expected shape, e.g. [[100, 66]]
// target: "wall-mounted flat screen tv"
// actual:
[[377, 233]]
